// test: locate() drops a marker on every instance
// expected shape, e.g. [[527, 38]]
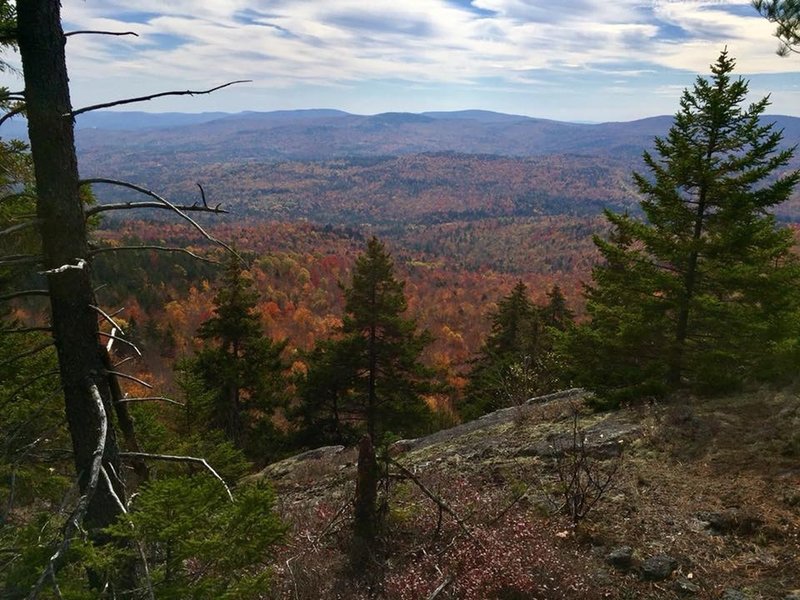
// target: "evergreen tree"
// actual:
[[327, 412], [555, 313], [702, 292], [515, 325], [371, 375], [785, 14], [239, 368], [516, 361]]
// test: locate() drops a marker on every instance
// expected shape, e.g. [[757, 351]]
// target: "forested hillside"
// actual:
[[464, 355]]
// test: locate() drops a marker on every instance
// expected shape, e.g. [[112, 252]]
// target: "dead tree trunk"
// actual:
[[65, 248]]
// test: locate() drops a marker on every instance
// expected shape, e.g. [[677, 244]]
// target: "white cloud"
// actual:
[[282, 44]]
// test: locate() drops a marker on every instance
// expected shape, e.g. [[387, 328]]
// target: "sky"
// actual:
[[575, 60]]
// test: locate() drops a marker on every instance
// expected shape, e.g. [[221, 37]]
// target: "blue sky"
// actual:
[[581, 60]]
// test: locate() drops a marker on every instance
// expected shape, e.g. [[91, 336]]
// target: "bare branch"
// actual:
[[436, 500], [31, 352], [107, 317], [159, 248], [75, 520], [165, 204], [99, 32], [135, 205], [80, 263], [12, 113], [442, 586], [203, 195], [152, 399], [131, 378], [123, 361], [124, 511], [21, 227], [154, 96], [114, 338], [187, 459], [23, 293]]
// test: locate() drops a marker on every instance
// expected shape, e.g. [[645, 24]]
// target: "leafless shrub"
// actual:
[[583, 480]]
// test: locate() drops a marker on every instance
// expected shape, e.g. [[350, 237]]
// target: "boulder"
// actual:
[[621, 558], [658, 568]]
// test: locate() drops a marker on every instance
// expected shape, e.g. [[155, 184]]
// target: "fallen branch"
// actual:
[[186, 459], [80, 111]]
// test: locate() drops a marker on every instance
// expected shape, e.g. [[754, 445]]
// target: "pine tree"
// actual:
[[516, 360], [701, 293], [515, 324], [556, 313], [239, 368], [371, 375], [785, 14]]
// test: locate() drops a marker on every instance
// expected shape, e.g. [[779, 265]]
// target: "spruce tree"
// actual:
[[237, 377], [516, 361], [701, 292], [371, 375]]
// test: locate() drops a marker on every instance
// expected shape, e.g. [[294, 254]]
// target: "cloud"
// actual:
[[283, 44]]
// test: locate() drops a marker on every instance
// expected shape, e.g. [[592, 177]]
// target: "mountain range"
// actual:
[[332, 165]]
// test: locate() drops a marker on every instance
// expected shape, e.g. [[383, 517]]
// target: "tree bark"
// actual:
[[365, 522], [64, 242]]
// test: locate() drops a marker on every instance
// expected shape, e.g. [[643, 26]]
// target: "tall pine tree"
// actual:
[[702, 292], [371, 376]]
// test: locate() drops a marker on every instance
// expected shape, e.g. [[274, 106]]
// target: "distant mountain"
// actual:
[[320, 134], [332, 165]]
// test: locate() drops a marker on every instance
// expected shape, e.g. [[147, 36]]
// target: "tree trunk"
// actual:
[[365, 523], [64, 242], [372, 400]]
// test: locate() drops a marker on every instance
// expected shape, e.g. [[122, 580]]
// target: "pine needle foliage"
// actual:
[[235, 383], [370, 377], [703, 292]]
